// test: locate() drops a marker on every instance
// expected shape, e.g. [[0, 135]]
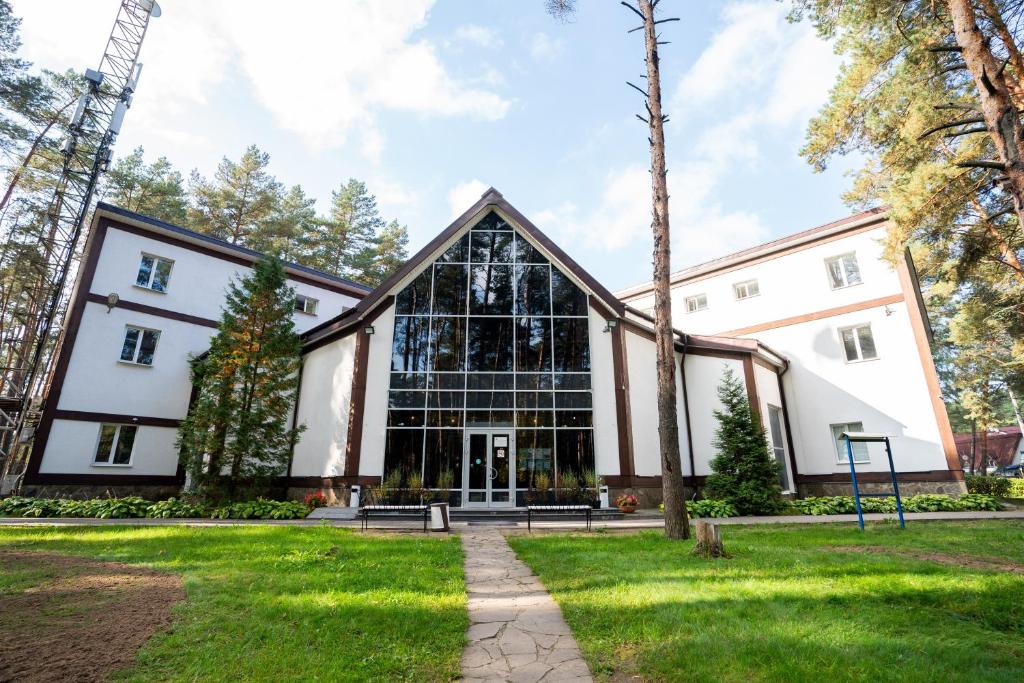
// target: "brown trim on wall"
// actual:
[[328, 482], [346, 329], [785, 423], [337, 288], [66, 346], [647, 481], [817, 315], [918, 322], [116, 418], [881, 477], [623, 409], [710, 353], [153, 310], [109, 479], [765, 364], [729, 265], [751, 381], [354, 439]]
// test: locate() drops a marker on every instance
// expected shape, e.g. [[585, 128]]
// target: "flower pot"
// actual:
[[627, 508]]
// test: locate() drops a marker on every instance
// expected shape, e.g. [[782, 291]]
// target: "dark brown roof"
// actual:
[[348, 321], [1003, 443]]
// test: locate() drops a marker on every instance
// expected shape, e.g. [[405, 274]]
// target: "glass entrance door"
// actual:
[[488, 468]]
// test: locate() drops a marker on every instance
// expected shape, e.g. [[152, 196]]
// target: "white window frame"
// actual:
[[152, 273], [113, 446], [138, 345], [745, 284], [305, 304], [781, 446], [856, 342], [696, 298], [861, 456], [842, 270]]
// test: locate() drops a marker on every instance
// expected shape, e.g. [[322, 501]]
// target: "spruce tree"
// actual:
[[389, 253], [743, 473], [238, 435]]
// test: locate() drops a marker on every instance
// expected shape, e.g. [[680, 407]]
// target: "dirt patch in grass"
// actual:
[[78, 619], [966, 561]]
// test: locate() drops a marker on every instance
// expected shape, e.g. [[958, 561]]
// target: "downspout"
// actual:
[[785, 422]]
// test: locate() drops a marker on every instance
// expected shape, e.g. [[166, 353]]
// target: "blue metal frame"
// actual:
[[856, 489]]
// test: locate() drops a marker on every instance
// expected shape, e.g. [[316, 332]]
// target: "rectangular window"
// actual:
[[778, 445], [858, 343], [154, 273], [843, 271], [306, 304], [745, 290], [139, 345], [115, 445], [860, 449], [697, 302]]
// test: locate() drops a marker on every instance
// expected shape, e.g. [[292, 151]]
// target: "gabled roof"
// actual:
[[155, 225], [350, 319]]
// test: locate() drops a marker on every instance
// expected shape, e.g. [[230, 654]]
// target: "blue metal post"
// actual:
[[895, 485], [853, 480]]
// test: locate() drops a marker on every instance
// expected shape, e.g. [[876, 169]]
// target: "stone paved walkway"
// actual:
[[516, 630]]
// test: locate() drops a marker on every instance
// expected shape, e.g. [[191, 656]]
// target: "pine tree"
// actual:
[[287, 232], [155, 189], [744, 471], [344, 244], [238, 436], [239, 203], [389, 253]]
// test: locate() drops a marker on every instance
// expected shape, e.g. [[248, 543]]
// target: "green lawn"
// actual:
[[791, 605], [274, 603]]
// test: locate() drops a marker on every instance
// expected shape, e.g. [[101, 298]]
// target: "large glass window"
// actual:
[[491, 335]]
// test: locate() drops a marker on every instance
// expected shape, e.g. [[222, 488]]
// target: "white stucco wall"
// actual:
[[324, 404], [72, 447], [703, 375], [375, 409], [602, 378]]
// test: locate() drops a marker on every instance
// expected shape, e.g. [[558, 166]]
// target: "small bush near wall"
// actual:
[[1016, 488], [845, 505], [707, 508], [993, 486], [135, 507]]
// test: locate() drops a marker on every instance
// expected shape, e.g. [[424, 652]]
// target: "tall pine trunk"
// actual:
[[997, 107], [677, 524]]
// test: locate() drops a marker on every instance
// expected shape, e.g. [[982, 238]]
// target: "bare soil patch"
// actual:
[[78, 619], [966, 561]]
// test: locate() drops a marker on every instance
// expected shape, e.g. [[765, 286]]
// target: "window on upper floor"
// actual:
[[139, 345], [858, 343], [115, 444], [154, 273], [843, 270], [746, 289], [306, 304], [860, 449], [697, 302]]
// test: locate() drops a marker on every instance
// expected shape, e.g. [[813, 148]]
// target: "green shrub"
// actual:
[[1016, 487], [14, 506], [261, 508], [926, 502], [993, 486], [177, 508], [930, 502], [977, 501], [710, 508]]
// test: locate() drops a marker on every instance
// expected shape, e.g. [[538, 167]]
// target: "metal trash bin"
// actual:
[[439, 517]]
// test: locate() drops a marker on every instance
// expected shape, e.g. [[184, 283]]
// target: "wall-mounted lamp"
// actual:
[[610, 325], [112, 300], [888, 311], [368, 329]]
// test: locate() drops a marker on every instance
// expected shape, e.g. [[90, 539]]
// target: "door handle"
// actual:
[[492, 472]]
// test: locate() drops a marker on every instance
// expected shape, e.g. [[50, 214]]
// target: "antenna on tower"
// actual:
[[29, 340]]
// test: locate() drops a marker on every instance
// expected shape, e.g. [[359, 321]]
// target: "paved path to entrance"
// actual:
[[516, 630]]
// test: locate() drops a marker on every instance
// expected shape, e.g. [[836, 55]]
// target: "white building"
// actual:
[[492, 357]]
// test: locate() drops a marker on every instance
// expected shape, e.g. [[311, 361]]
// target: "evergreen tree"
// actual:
[[155, 189], [389, 253], [240, 202], [288, 230], [344, 244], [744, 471], [238, 436]]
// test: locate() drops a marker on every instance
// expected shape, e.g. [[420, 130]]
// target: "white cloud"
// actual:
[[465, 195], [323, 70], [475, 34], [544, 48]]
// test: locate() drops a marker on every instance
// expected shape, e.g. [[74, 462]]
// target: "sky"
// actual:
[[431, 102]]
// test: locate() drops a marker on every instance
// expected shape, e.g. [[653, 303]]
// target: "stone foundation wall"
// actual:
[[337, 496], [647, 496], [86, 491], [907, 488]]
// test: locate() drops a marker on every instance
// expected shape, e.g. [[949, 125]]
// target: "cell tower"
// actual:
[[32, 324]]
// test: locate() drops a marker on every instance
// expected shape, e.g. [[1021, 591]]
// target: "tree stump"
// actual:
[[709, 541]]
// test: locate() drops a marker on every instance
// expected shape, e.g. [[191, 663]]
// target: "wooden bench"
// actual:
[[566, 510], [383, 510]]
